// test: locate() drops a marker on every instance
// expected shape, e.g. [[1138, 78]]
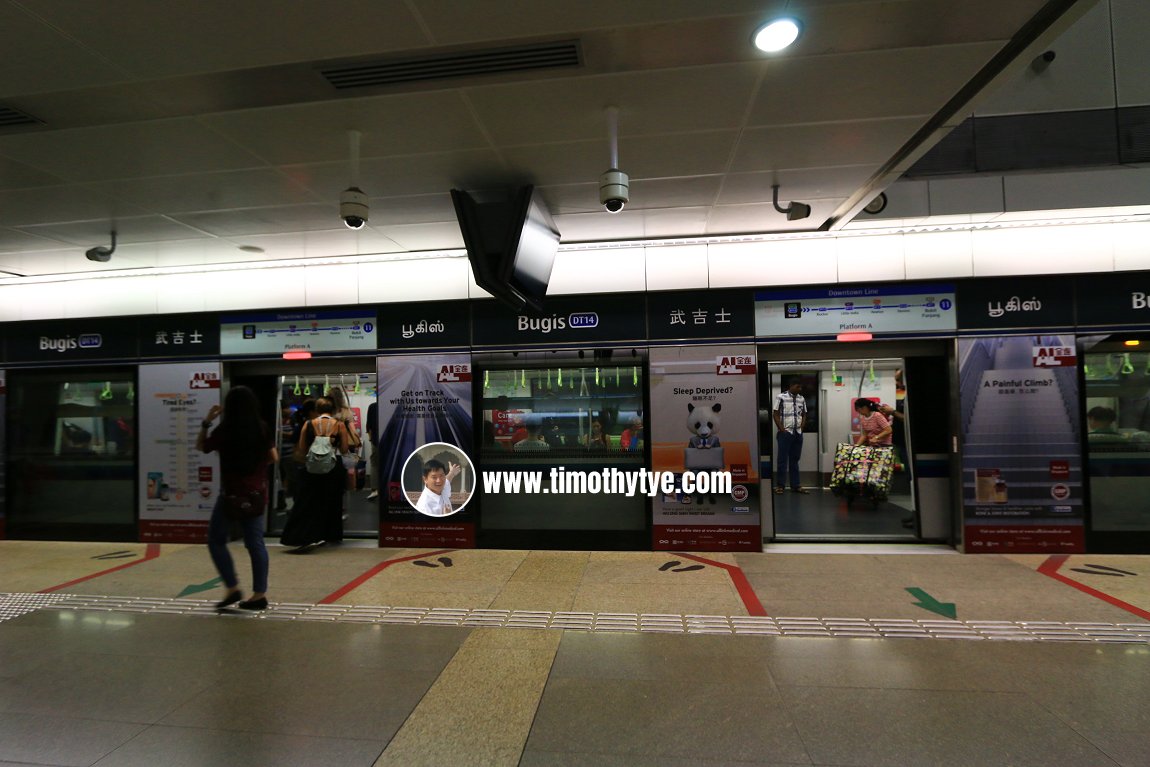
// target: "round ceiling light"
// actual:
[[776, 35]]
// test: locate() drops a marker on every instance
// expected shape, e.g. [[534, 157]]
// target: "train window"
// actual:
[[1116, 369], [72, 439]]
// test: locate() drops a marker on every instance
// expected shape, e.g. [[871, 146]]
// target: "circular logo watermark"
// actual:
[[740, 493], [438, 479], [1060, 492]]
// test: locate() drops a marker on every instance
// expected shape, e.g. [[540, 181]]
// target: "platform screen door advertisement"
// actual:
[[422, 399], [1021, 464], [178, 484], [704, 419]]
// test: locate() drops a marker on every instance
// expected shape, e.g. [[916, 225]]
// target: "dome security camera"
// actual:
[[353, 207], [614, 190]]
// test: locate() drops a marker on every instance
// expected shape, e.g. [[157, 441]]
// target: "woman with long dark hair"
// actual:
[[246, 446]]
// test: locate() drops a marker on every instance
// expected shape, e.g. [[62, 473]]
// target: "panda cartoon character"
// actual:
[[703, 423], [704, 451]]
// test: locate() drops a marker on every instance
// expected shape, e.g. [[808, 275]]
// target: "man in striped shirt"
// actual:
[[790, 414]]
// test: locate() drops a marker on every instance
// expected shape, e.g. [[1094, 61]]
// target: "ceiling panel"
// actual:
[[802, 185], [417, 174], [209, 123], [37, 57], [453, 22], [210, 191], [17, 175], [284, 218], [705, 98], [59, 204], [392, 125], [823, 146], [165, 39], [158, 148], [814, 89], [86, 234], [674, 156]]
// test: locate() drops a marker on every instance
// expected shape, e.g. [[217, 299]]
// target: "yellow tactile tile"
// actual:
[[490, 689]]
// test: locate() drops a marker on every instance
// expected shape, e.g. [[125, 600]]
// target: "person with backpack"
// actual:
[[247, 447], [317, 517]]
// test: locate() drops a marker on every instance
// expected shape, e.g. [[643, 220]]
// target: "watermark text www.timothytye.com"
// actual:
[[607, 481]]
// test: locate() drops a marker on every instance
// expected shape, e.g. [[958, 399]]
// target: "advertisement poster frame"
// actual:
[[687, 382], [1022, 488], [423, 399], [178, 486]]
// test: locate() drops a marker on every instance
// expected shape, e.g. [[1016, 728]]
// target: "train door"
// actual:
[[283, 388], [812, 393]]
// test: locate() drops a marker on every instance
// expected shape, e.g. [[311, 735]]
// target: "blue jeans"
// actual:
[[218, 529], [788, 455]]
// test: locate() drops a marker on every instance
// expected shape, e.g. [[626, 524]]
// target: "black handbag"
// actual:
[[245, 499]]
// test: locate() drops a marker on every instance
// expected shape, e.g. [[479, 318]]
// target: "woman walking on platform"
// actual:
[[246, 447]]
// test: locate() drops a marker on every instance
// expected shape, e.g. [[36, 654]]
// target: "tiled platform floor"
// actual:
[[117, 680]]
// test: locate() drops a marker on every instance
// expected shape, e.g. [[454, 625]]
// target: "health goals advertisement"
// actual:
[[178, 484], [1021, 464], [424, 416], [704, 428]]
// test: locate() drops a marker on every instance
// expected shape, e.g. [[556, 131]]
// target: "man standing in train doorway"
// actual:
[[790, 414]]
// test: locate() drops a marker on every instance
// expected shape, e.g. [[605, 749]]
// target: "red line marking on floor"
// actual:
[[150, 553], [742, 585], [367, 576], [1053, 563]]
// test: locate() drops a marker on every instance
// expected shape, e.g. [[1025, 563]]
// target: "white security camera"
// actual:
[[614, 190], [353, 207]]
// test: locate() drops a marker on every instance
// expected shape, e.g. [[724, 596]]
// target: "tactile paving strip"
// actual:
[[1048, 631], [15, 605]]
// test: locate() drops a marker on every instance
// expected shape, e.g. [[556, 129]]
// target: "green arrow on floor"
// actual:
[[927, 602], [196, 588]]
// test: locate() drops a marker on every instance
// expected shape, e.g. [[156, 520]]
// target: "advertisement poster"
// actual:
[[3, 451], [1021, 465], [704, 418], [423, 399], [178, 484]]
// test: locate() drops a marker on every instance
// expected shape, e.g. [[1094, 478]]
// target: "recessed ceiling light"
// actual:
[[251, 248], [776, 35]]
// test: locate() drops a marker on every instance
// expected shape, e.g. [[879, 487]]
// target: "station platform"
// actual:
[[112, 654]]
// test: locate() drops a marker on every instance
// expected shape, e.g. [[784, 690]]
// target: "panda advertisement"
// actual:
[[704, 429]]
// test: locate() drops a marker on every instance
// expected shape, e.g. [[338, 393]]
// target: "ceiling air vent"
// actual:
[[10, 117], [463, 64]]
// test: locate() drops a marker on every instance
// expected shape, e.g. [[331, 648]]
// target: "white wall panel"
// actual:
[[872, 258], [778, 262], [938, 255], [424, 279], [598, 271], [1131, 245], [1042, 250], [177, 293], [331, 284], [676, 267], [111, 297], [264, 289]]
